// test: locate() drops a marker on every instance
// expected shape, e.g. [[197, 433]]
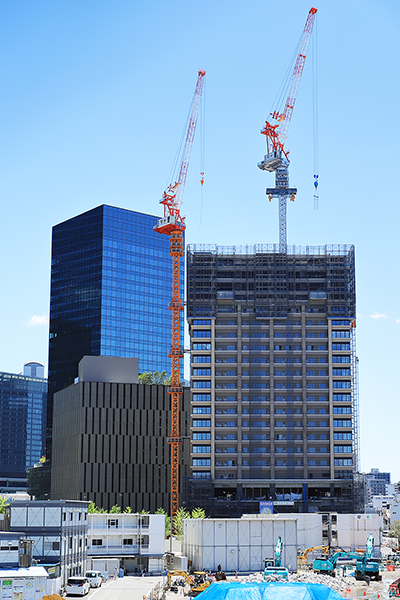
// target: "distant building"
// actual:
[[110, 441], [378, 484], [111, 285], [22, 425]]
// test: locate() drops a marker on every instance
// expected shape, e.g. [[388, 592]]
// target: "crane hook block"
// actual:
[[292, 197], [202, 178], [270, 197]]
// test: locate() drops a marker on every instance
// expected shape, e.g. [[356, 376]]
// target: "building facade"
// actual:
[[273, 378], [23, 424], [59, 534], [111, 285], [137, 540], [111, 444]]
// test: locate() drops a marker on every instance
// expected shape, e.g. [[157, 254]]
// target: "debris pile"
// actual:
[[339, 584]]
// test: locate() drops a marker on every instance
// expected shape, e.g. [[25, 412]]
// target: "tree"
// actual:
[[181, 514], [42, 460], [115, 510], [92, 508], [395, 530], [156, 378], [199, 513], [128, 510], [3, 503], [161, 511]]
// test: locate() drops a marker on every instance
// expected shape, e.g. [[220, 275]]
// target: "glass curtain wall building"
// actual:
[[111, 285], [273, 378], [22, 427]]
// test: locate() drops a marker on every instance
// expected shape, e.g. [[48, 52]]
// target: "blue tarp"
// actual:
[[235, 590]]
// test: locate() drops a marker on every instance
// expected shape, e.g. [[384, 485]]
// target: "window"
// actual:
[[201, 359], [341, 334], [341, 422], [201, 475], [341, 372], [338, 323], [201, 384], [201, 397], [340, 346], [55, 545], [113, 523], [202, 410], [342, 436], [97, 542], [128, 542], [201, 322], [201, 346], [201, 333], [343, 449], [201, 462], [201, 449], [341, 384], [342, 410], [201, 372], [340, 359], [341, 397], [343, 462], [201, 436], [201, 423]]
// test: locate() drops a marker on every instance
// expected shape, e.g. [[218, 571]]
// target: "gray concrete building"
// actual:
[[110, 441], [273, 378]]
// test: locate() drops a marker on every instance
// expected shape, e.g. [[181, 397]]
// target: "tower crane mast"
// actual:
[[277, 157], [173, 225]]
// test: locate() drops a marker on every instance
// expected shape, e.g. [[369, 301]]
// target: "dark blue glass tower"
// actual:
[[22, 427], [111, 285]]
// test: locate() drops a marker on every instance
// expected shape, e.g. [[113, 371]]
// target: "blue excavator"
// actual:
[[273, 566], [366, 568]]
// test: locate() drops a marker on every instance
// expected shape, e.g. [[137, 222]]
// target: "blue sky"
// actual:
[[94, 99]]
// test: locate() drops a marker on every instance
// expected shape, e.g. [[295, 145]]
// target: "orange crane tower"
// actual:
[[173, 224]]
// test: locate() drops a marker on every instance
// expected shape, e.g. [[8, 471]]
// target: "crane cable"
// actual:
[[202, 127], [315, 115]]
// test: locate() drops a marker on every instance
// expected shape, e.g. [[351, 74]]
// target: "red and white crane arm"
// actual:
[[285, 117], [172, 197]]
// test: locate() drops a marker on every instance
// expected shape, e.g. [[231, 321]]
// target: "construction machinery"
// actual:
[[273, 566], [176, 579], [366, 566], [173, 225], [302, 556], [277, 157]]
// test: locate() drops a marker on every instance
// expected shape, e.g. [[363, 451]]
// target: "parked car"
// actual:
[[77, 586], [95, 578]]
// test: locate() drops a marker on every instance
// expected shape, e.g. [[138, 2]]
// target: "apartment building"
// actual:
[[273, 378]]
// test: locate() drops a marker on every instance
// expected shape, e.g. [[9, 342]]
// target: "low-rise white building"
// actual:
[[136, 539], [238, 544]]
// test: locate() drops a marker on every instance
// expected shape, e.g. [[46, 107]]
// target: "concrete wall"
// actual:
[[353, 531], [108, 369], [238, 544]]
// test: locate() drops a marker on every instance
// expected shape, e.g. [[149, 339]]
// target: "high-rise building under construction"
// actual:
[[273, 378]]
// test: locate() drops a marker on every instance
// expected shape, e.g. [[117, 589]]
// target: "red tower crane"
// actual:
[[173, 224], [277, 158]]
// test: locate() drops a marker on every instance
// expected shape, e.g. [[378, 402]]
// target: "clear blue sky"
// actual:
[[94, 95]]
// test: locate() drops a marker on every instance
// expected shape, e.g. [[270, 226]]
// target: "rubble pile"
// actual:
[[339, 584]]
